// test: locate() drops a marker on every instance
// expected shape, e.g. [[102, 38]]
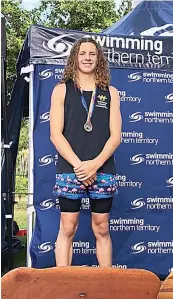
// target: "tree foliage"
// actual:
[[21, 186], [124, 8], [85, 15], [22, 163], [18, 21], [24, 132]]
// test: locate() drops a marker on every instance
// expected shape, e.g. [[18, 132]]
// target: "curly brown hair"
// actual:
[[102, 75]]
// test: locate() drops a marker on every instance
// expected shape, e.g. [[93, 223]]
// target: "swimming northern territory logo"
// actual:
[[59, 46], [85, 203], [47, 160], [124, 97], [137, 137], [132, 224], [49, 203], [45, 117], [45, 247], [165, 30], [153, 247], [151, 77], [119, 266], [57, 74], [83, 247], [46, 74], [169, 182], [152, 117], [152, 159], [122, 181], [153, 203], [169, 98]]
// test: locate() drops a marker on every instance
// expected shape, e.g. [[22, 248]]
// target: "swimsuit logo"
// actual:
[[102, 97], [102, 101]]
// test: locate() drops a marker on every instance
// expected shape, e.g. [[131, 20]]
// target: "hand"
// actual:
[[86, 170], [90, 181]]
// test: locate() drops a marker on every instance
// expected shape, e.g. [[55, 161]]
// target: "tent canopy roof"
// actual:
[[146, 15]]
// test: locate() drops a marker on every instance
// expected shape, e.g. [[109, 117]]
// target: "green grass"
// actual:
[[20, 214]]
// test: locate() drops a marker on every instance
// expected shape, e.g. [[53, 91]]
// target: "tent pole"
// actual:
[[30, 208], [7, 195]]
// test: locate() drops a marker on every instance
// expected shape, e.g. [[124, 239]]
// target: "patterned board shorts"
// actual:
[[68, 186]]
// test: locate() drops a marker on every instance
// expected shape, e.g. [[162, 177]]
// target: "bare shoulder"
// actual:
[[113, 91], [114, 94], [59, 91]]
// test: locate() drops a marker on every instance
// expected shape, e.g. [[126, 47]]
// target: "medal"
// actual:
[[88, 125]]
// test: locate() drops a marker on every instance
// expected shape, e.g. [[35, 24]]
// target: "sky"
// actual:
[[30, 4]]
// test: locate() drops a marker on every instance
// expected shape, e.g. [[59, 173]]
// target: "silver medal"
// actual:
[[88, 127]]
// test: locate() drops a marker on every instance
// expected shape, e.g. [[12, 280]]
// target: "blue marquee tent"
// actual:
[[148, 18], [141, 69]]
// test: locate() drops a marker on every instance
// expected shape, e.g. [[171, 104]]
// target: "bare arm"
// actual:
[[57, 125], [115, 129], [87, 168]]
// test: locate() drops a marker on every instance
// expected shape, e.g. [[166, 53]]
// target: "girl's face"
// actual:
[[87, 58]]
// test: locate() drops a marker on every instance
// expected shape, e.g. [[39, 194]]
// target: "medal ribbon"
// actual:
[[91, 107]]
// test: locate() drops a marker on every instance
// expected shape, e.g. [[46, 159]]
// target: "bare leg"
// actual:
[[68, 227], [100, 228], [71, 254]]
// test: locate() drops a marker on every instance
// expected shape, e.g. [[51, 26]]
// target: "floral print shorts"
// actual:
[[68, 186]]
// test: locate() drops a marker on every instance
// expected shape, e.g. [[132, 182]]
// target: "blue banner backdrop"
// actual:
[[141, 223]]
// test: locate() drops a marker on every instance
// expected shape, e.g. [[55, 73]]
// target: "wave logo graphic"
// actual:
[[46, 74], [58, 46], [134, 77], [47, 204], [137, 159], [137, 116], [165, 30], [46, 160], [170, 182], [137, 203], [169, 98], [138, 248], [45, 247], [45, 117]]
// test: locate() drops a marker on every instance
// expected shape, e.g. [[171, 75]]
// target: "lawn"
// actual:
[[20, 214]]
